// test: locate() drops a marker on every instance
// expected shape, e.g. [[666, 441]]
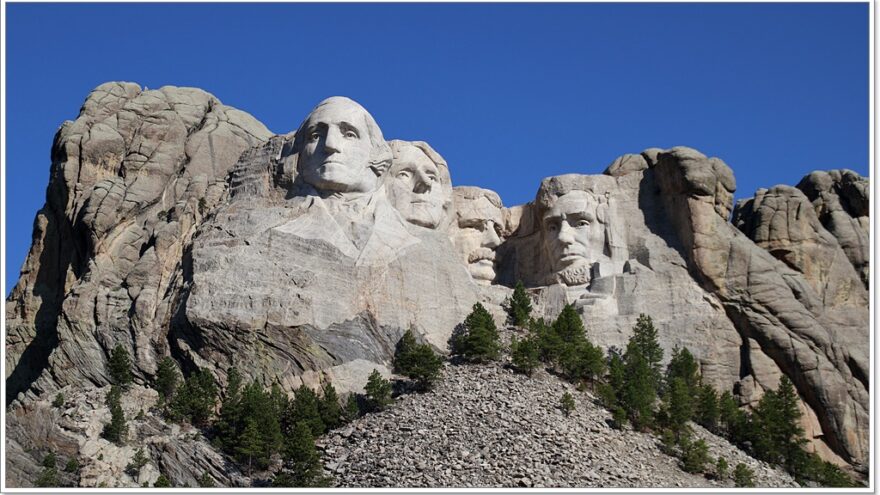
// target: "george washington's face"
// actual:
[[573, 237], [336, 151], [414, 187]]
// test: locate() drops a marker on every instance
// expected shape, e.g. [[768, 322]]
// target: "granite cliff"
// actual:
[[177, 226]]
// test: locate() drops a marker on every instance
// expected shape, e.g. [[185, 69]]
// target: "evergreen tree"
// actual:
[[678, 405], [525, 354], [206, 481], [304, 408], [162, 482], [329, 407], [694, 455], [59, 400], [196, 399], [776, 433], [116, 430], [48, 478], [743, 477], [250, 443], [257, 406], [706, 413], [644, 342], [120, 366], [683, 365], [352, 411], [378, 391], [166, 379], [302, 460], [137, 463], [230, 422], [721, 468], [417, 361], [641, 373], [519, 306], [733, 420], [567, 404], [478, 340], [549, 343], [569, 326]]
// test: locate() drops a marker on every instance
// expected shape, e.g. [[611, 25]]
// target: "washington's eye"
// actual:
[[404, 174], [351, 134], [315, 136], [582, 223], [432, 178]]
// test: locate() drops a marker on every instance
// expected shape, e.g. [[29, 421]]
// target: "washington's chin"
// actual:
[[339, 178], [482, 271], [423, 215]]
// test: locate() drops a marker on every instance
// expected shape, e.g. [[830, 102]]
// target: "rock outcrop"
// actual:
[[177, 226]]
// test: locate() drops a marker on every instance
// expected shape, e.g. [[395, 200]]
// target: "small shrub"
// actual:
[[743, 476], [167, 379], [116, 430], [567, 404], [206, 481], [378, 392], [352, 411], [49, 460], [694, 455], [72, 466], [137, 463], [59, 400], [162, 482], [48, 478], [721, 468]]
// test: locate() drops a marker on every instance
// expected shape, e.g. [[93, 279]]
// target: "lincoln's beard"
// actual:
[[578, 275]]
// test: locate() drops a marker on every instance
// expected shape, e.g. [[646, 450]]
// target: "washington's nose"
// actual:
[[422, 183], [331, 141]]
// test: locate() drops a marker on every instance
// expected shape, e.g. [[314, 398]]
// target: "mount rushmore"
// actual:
[[177, 226]]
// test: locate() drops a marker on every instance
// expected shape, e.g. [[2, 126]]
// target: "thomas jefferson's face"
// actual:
[[572, 232], [337, 149], [414, 187], [477, 236]]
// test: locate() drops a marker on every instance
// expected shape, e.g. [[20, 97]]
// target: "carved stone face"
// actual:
[[573, 237], [478, 234], [336, 150], [414, 187]]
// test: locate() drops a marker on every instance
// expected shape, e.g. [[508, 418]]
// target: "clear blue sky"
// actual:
[[508, 94]]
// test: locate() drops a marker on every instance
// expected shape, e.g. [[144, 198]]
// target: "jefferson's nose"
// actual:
[[422, 183]]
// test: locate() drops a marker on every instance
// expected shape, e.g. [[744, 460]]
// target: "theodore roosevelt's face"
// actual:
[[414, 187], [336, 151], [571, 231], [478, 234]]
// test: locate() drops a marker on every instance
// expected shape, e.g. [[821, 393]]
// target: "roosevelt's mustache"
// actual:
[[481, 254]]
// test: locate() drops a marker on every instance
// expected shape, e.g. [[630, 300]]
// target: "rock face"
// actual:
[[175, 225]]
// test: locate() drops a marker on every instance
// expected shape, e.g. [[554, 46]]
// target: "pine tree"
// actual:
[[59, 400], [329, 408], [417, 361], [230, 423], [694, 455], [378, 391], [721, 468], [549, 343], [166, 379], [206, 481], [304, 408], [706, 413], [302, 460], [137, 463], [743, 477], [250, 443], [116, 430], [352, 411], [644, 342], [525, 354], [257, 406], [162, 482], [519, 306], [733, 420], [478, 341], [567, 404], [678, 405], [683, 365], [776, 433], [641, 373], [196, 399], [120, 366]]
